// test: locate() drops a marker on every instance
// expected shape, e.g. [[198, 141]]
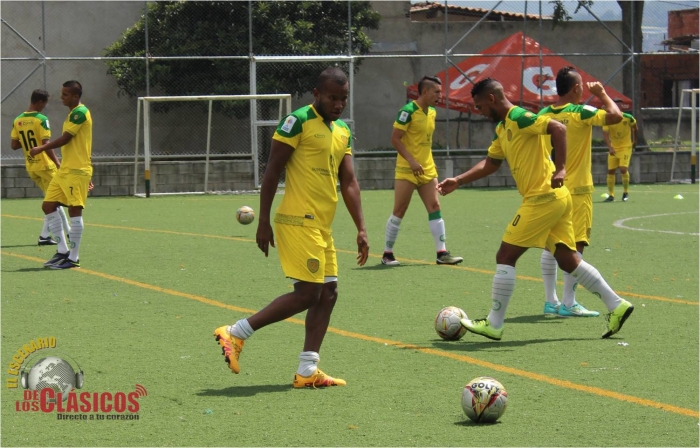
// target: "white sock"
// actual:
[[56, 227], [76, 234], [589, 277], [241, 329], [308, 363], [64, 219], [392, 231], [437, 228], [45, 233], [549, 276], [570, 284], [501, 291]]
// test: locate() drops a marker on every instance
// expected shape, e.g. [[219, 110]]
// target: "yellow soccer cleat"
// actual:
[[230, 347], [318, 379], [617, 317]]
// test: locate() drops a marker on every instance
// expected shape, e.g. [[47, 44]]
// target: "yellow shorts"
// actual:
[[621, 158], [68, 189], [543, 224], [582, 217], [403, 173], [306, 254], [42, 178]]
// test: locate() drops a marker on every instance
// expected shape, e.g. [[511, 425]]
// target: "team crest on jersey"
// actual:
[[509, 135], [47, 124], [528, 114], [403, 117], [590, 108], [312, 265], [76, 116], [289, 123]]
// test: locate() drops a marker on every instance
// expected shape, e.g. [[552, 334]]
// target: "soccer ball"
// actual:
[[484, 400], [447, 323], [245, 215]]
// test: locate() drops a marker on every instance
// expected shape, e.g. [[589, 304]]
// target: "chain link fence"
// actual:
[[210, 48]]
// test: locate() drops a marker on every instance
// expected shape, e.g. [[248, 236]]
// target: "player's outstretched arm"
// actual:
[[279, 156], [484, 168], [60, 141], [350, 190]]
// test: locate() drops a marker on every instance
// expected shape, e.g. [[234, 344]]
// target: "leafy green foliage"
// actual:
[[221, 29]]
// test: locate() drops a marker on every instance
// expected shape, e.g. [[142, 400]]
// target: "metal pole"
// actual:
[[678, 130], [148, 80], [43, 41], [136, 149], [206, 158], [253, 119], [693, 130], [147, 146], [447, 88]]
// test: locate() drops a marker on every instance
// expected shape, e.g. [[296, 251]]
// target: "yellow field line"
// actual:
[[247, 240], [430, 351]]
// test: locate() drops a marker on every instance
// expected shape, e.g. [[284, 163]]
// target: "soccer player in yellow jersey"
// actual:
[[315, 146], [71, 184], [544, 218], [621, 139], [579, 121], [412, 138], [27, 129]]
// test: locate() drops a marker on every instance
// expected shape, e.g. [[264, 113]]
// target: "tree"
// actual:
[[189, 28], [632, 14]]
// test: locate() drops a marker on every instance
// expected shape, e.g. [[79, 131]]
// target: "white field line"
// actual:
[[620, 223]]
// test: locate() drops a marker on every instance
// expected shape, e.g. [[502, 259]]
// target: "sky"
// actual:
[[654, 23]]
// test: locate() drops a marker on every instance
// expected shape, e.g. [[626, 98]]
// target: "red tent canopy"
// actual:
[[508, 71]]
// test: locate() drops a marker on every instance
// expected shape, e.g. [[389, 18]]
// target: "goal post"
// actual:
[[693, 94], [175, 127]]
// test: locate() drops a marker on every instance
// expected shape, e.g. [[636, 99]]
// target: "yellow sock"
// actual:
[[611, 184], [626, 181]]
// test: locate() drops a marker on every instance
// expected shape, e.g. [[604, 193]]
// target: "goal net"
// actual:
[[204, 144]]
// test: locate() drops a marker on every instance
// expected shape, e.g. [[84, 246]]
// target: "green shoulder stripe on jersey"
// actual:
[[78, 115], [291, 125], [404, 115], [523, 117], [343, 124], [629, 117]]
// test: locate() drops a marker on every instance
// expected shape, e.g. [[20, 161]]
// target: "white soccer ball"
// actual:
[[447, 323], [245, 215], [484, 400]]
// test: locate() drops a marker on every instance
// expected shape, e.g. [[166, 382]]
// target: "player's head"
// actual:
[[331, 93], [569, 82], [39, 99], [489, 99], [71, 93], [430, 89]]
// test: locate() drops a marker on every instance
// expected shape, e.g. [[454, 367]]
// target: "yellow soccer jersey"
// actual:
[[77, 153], [310, 196], [579, 121], [518, 139], [418, 137], [621, 133], [31, 128]]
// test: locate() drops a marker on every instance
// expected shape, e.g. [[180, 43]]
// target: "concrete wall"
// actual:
[[117, 179]]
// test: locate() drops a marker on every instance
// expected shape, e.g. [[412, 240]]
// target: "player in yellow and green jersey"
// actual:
[[315, 147], [620, 138], [544, 218], [28, 129], [579, 121], [71, 184], [412, 138]]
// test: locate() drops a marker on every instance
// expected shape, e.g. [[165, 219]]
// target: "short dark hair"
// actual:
[[75, 87], [486, 85], [334, 74], [39, 95], [427, 79], [566, 80]]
